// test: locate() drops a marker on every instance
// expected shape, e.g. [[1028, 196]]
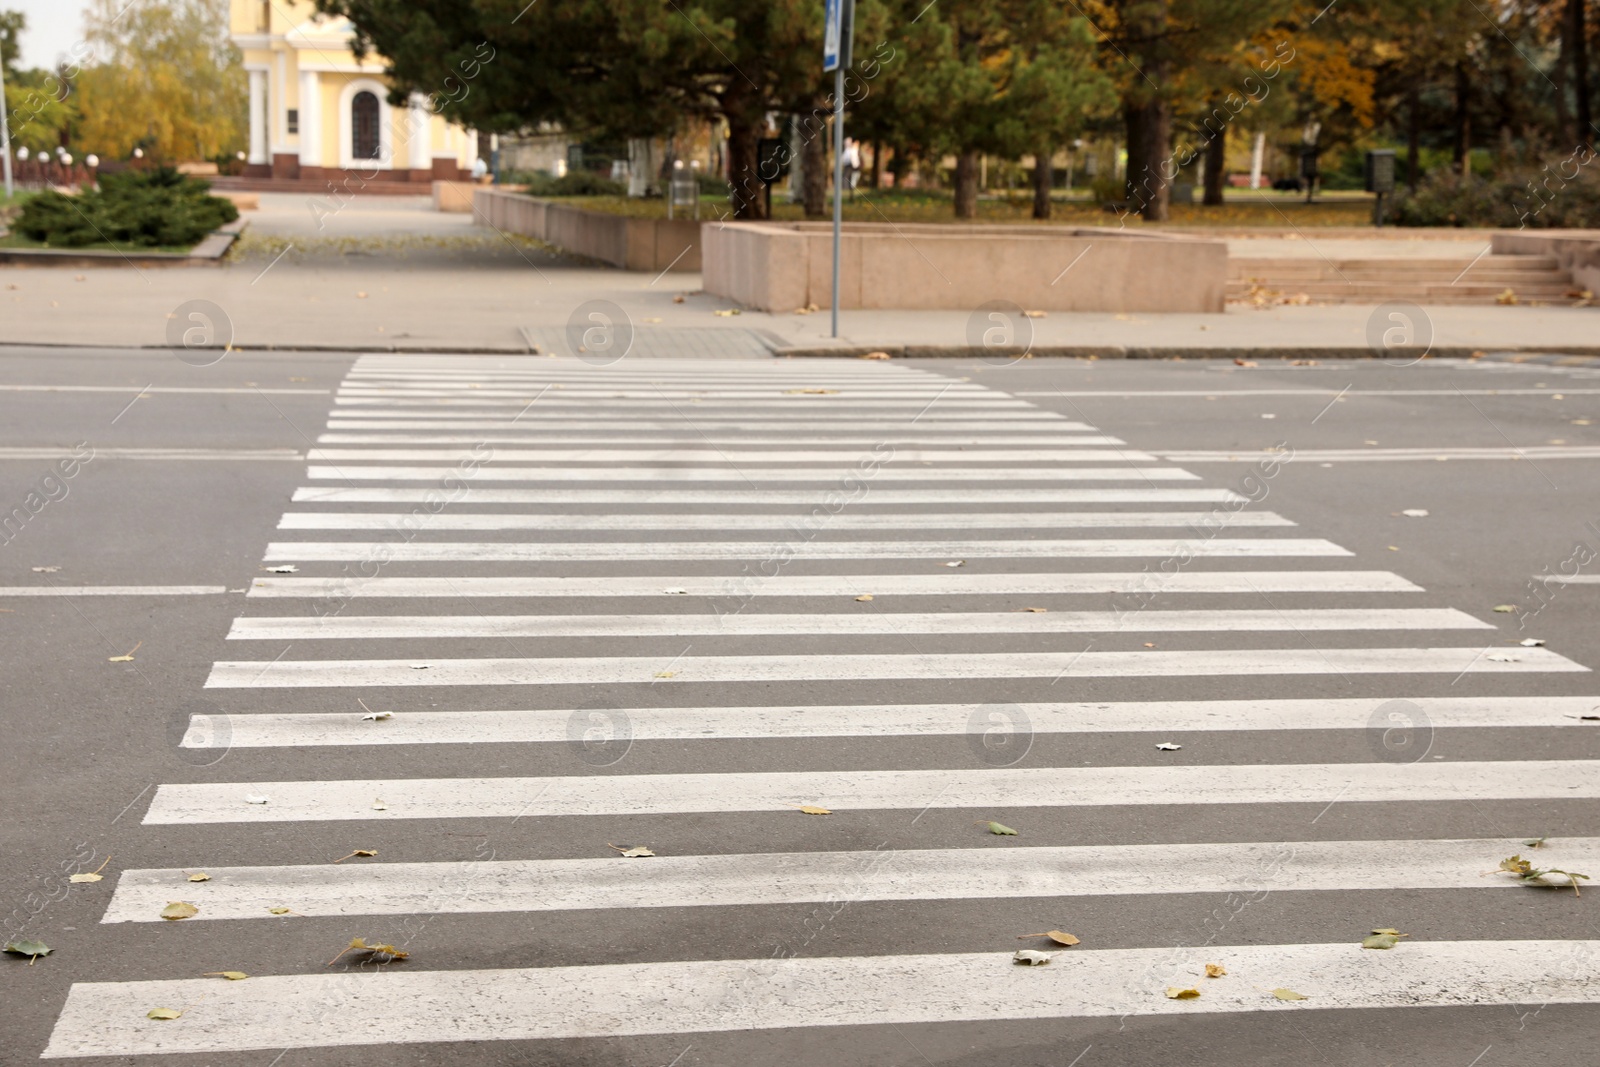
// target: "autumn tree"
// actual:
[[162, 77]]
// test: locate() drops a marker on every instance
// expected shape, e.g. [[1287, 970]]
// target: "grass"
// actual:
[[1244, 209], [16, 240]]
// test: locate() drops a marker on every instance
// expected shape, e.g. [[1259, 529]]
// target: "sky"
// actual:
[[54, 26]]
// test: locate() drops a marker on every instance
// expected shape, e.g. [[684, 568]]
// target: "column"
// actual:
[[258, 117], [419, 131], [310, 119]]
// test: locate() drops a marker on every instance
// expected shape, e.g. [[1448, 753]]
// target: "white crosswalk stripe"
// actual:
[[838, 487]]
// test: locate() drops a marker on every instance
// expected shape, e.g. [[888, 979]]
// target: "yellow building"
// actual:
[[318, 113]]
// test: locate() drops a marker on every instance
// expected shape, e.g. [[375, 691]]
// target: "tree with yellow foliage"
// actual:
[[162, 77]]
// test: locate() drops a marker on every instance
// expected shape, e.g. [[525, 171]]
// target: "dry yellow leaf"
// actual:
[[1215, 970], [1036, 610], [812, 809], [1175, 992], [666, 674], [875, 355], [358, 852], [864, 597], [126, 657], [1288, 994], [232, 976], [84, 877], [163, 1013], [279, 910], [199, 876], [1060, 937], [179, 909]]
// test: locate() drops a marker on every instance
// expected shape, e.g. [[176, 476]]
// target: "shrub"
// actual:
[[140, 209], [1562, 196], [574, 183]]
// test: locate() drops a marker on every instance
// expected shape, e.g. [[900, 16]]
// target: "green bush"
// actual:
[[1561, 196], [575, 183], [138, 209]]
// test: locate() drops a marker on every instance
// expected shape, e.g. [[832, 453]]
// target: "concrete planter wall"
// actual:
[[633, 244], [783, 266]]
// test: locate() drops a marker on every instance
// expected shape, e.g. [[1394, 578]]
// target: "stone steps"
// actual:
[[1421, 280]]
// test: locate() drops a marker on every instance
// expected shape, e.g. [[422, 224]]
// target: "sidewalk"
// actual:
[[387, 276]]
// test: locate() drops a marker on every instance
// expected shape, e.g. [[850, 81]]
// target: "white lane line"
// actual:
[[1083, 548], [1390, 455], [738, 455], [553, 726], [949, 584], [1222, 394], [864, 622], [830, 475], [681, 997], [839, 404], [1052, 873], [1568, 579], [148, 390], [811, 498], [687, 435], [562, 425], [845, 520], [995, 789], [623, 670], [481, 390], [182, 454], [112, 590]]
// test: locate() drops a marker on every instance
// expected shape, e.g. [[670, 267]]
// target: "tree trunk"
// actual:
[[877, 164], [1216, 167], [1463, 123], [1042, 172], [814, 183], [1414, 138], [967, 185], [1151, 183], [1580, 73], [1133, 118], [744, 180]]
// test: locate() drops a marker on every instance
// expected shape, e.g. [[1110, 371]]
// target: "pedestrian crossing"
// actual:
[[822, 598]]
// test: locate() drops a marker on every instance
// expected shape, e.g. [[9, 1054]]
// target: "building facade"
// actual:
[[318, 113]]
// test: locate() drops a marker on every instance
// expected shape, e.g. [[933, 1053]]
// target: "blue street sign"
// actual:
[[836, 33]]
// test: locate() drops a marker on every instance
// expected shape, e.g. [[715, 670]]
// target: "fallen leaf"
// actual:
[[358, 944], [1033, 314], [255, 798], [1382, 939], [812, 809], [280, 910], [632, 853], [421, 666], [956, 563], [863, 598], [45, 570], [1531, 875], [163, 1013], [199, 876], [1215, 970], [1149, 644], [287, 568], [1288, 994], [1178, 992], [89, 876], [1503, 657], [31, 949], [666, 674], [377, 716], [677, 300], [729, 313], [875, 355], [179, 909], [1504, 608], [358, 852], [126, 657], [1532, 642], [676, 592], [1001, 830], [1031, 957], [232, 976], [1060, 937], [1536, 842], [1415, 513], [1168, 746], [650, 320], [1035, 610], [1245, 362], [809, 392], [379, 805]]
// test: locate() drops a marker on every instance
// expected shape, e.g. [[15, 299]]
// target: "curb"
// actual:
[[1580, 353]]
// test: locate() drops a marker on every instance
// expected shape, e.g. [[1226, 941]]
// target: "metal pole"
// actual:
[[838, 182], [5, 133]]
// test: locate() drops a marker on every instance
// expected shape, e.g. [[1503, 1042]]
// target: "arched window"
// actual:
[[364, 125]]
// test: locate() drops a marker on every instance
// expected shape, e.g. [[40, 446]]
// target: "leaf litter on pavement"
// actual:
[[1060, 937], [89, 876], [1528, 874], [358, 944]]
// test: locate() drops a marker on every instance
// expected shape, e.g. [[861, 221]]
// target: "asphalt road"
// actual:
[[1386, 737]]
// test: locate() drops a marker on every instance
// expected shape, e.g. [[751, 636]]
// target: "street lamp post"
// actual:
[[5, 133]]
